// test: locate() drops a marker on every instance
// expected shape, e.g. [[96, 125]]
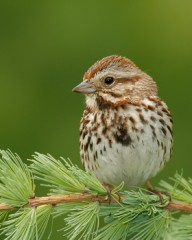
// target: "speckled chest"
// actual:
[[119, 133]]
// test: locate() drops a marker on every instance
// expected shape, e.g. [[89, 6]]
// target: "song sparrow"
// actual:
[[126, 129]]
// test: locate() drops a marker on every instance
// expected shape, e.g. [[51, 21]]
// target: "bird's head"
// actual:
[[114, 81]]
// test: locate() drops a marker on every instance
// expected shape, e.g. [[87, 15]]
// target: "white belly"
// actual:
[[134, 164]]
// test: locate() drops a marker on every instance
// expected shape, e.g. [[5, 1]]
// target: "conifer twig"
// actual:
[[179, 206], [86, 197], [83, 200]]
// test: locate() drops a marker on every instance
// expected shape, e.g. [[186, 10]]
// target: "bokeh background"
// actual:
[[45, 48]]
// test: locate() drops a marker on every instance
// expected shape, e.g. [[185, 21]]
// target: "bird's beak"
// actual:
[[85, 87]]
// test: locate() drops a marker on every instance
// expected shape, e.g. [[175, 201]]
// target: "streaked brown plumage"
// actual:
[[126, 129]]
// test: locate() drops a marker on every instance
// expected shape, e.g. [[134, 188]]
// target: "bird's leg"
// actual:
[[152, 190], [108, 191]]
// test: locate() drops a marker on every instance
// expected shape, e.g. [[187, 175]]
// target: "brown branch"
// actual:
[[53, 200], [86, 197], [179, 206], [4, 206]]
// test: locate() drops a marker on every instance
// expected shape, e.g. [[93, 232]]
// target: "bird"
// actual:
[[126, 133]]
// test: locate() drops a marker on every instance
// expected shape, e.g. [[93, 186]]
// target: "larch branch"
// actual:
[[87, 197]]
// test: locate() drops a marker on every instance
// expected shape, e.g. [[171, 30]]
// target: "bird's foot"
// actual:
[[160, 194], [108, 192]]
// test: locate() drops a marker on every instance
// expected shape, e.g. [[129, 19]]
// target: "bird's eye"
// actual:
[[109, 80]]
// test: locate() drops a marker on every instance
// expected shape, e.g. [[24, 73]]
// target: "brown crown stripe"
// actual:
[[105, 62]]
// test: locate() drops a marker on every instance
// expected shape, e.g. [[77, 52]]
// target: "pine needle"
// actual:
[[56, 174], [83, 222], [27, 224], [16, 182]]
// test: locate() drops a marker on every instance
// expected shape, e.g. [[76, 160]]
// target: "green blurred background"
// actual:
[[45, 48]]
